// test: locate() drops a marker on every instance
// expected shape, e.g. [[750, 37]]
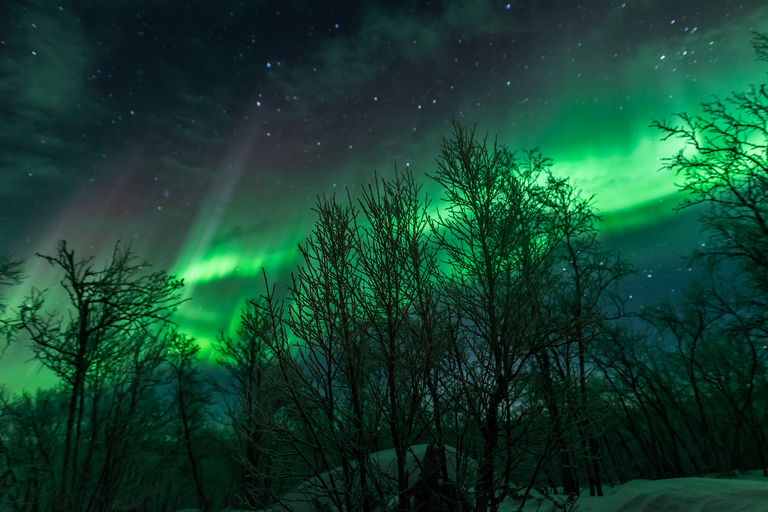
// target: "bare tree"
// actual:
[[324, 376], [587, 274], [191, 397], [760, 44], [499, 238], [109, 306], [10, 274], [727, 172], [131, 413], [30, 426], [641, 381], [396, 261], [247, 361], [724, 165]]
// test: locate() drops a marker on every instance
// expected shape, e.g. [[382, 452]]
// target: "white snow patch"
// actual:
[[316, 489], [748, 493]]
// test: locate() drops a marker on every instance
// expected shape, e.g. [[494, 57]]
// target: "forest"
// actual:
[[425, 355]]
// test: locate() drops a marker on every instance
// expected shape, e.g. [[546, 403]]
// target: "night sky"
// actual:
[[202, 132]]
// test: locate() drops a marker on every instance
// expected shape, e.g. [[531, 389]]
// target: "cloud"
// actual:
[[345, 66]]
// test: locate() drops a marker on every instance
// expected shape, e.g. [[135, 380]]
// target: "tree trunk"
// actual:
[[64, 490], [490, 433], [188, 445]]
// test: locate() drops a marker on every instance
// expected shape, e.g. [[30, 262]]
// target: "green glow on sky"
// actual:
[[210, 163], [220, 266], [622, 182]]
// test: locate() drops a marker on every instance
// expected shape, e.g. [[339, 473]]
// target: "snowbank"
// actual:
[[308, 496], [749, 493]]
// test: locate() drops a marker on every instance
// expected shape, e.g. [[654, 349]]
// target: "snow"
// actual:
[[300, 500], [748, 493]]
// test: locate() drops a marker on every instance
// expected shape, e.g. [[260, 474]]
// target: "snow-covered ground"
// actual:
[[300, 499], [748, 493]]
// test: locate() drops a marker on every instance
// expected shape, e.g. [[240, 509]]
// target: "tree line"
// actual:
[[489, 328]]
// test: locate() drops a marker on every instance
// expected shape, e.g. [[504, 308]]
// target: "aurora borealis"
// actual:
[[202, 132]]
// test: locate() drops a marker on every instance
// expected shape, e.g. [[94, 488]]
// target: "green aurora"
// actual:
[[203, 138]]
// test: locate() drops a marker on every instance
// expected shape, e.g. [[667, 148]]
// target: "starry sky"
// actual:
[[202, 132]]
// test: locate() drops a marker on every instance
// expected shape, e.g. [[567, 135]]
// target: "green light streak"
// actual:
[[621, 182], [242, 264], [220, 266], [586, 109]]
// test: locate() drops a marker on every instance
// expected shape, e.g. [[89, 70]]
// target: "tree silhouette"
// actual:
[[10, 274], [247, 360], [587, 273], [725, 169], [500, 236], [30, 425], [109, 306], [397, 265], [760, 44], [724, 166], [191, 397], [323, 368]]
